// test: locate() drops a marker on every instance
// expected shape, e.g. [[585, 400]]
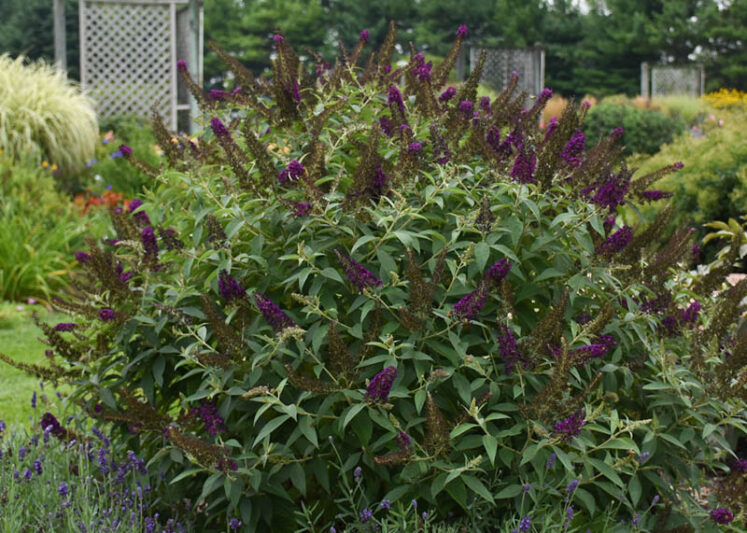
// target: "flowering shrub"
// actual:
[[428, 294]]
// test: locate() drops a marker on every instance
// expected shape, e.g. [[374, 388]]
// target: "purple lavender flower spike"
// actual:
[[381, 385], [569, 427], [573, 148], [395, 98], [358, 275], [272, 313], [415, 147], [229, 288], [279, 39], [462, 31], [510, 352], [465, 106], [364, 36], [219, 129], [125, 150]]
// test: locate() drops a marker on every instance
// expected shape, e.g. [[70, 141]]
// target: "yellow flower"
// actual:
[[54, 166], [45, 164]]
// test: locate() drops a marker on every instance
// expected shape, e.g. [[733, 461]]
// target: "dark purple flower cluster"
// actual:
[[524, 167], [272, 314], [150, 244], [357, 274], [279, 39], [722, 516], [498, 271], [573, 148], [229, 288], [485, 105], [403, 440], [207, 412], [386, 125], [125, 150], [65, 326], [670, 326], [468, 308], [394, 98], [82, 257], [591, 351], [461, 31], [657, 305], [690, 315], [616, 242], [106, 314], [181, 65], [415, 147], [294, 171], [493, 138], [381, 385], [423, 70], [141, 217], [551, 127], [52, 426], [740, 465], [448, 94], [301, 209], [569, 427], [466, 106], [219, 129], [216, 95], [610, 193], [364, 36], [510, 352]]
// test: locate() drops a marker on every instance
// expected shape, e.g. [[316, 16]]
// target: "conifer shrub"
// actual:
[[402, 291]]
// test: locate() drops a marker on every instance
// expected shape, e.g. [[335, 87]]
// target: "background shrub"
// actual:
[[359, 287], [40, 230], [645, 130], [43, 115]]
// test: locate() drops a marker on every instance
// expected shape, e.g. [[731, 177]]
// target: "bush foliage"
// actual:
[[44, 116], [413, 294], [645, 130]]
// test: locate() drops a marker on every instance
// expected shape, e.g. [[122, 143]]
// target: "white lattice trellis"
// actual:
[[500, 63], [128, 54], [662, 80]]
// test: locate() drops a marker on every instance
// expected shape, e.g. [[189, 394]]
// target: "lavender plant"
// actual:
[[433, 295]]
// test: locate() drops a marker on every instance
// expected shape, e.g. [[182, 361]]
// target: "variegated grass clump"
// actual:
[[44, 115]]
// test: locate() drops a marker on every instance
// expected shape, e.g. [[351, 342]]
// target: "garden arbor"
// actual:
[[128, 55], [662, 80], [501, 63]]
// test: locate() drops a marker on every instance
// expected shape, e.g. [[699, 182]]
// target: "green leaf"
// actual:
[[350, 414], [549, 273], [491, 445], [477, 486], [420, 397], [529, 453], [308, 431], [481, 254], [622, 443], [509, 492], [269, 427], [607, 471], [634, 488], [458, 491], [587, 500]]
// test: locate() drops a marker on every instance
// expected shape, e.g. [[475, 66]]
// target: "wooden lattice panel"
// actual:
[[501, 63], [127, 62], [676, 80]]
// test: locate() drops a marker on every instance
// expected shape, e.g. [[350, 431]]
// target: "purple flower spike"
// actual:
[[403, 440], [82, 257], [217, 95], [279, 39], [357, 274], [616, 242], [510, 352], [301, 209], [524, 167], [414, 147], [229, 288], [573, 148], [294, 171], [219, 129], [498, 271], [381, 385], [107, 314], [690, 315], [722, 516], [125, 150], [181, 65], [364, 36], [272, 313], [65, 326], [395, 98], [448, 94], [462, 31], [465, 106], [468, 308], [591, 351], [569, 427]]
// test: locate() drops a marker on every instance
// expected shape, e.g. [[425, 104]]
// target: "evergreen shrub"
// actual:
[[409, 293]]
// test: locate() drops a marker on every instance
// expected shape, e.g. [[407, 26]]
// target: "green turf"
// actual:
[[19, 340]]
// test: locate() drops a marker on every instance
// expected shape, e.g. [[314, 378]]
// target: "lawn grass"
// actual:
[[19, 340]]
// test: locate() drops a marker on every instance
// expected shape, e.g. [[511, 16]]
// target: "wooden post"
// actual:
[[194, 59], [645, 81], [60, 46]]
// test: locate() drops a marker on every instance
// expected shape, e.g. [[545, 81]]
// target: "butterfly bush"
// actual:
[[374, 276]]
